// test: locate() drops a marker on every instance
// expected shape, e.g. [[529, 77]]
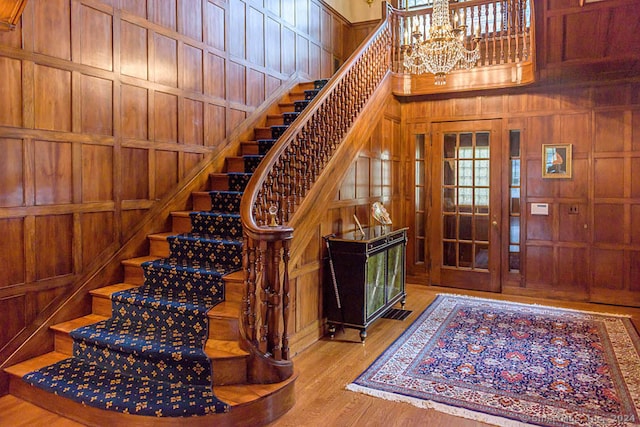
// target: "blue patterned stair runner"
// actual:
[[148, 358]]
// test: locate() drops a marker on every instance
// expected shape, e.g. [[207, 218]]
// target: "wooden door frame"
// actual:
[[492, 280]]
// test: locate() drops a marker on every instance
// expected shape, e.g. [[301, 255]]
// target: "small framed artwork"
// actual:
[[556, 160]]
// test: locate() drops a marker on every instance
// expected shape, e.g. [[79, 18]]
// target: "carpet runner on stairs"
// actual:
[[149, 358]]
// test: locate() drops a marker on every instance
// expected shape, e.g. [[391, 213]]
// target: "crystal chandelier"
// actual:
[[443, 47]]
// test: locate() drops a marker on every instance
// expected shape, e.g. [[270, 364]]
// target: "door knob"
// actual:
[[494, 223]]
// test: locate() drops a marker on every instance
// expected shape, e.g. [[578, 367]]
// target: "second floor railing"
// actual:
[[502, 26]]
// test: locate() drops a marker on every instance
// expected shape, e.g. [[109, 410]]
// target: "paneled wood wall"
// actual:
[[594, 253], [106, 105], [376, 175]]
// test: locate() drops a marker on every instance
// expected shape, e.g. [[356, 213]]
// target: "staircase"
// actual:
[[164, 344]]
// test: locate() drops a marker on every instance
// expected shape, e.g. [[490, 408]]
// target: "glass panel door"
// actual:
[[466, 205]]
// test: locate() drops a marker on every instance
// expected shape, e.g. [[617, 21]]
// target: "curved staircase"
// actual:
[[164, 344]]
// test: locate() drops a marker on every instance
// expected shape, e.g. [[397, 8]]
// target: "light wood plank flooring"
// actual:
[[327, 367]]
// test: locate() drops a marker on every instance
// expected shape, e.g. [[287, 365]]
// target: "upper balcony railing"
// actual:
[[503, 29]]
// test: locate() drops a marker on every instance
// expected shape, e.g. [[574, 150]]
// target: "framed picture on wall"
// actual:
[[556, 160]]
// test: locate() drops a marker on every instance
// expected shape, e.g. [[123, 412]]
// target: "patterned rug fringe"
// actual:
[[446, 409]]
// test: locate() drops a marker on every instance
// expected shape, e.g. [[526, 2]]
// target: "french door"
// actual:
[[466, 205]]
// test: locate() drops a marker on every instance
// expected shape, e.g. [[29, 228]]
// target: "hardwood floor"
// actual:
[[328, 366]]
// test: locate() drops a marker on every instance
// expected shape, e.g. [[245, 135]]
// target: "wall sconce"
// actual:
[[369, 2]]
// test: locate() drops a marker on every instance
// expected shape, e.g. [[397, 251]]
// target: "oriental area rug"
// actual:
[[513, 364]]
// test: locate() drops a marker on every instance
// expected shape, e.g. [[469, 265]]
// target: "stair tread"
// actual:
[[77, 322], [22, 368], [234, 395], [227, 309], [239, 394], [106, 291], [221, 349], [139, 260], [160, 236]]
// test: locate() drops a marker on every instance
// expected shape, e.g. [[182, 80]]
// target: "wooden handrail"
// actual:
[[280, 183]]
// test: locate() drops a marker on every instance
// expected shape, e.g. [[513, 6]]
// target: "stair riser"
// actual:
[[180, 224], [235, 164], [206, 251], [159, 248], [201, 202], [262, 133], [274, 120], [224, 328], [229, 226], [134, 275], [218, 182], [229, 371], [63, 343]]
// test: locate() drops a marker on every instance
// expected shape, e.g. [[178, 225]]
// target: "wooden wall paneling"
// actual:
[[236, 82], [193, 119], [134, 112], [12, 252], [302, 54], [10, 85], [256, 37], [315, 69], [315, 19], [302, 15], [215, 26], [272, 44], [215, 76], [11, 174], [326, 33], [52, 21], [166, 167], [288, 10], [255, 87], [190, 19], [163, 12], [348, 186], [96, 38], [165, 60], [97, 233], [215, 118], [237, 21], [362, 178], [12, 325], [53, 173], [96, 104], [166, 117], [326, 64], [52, 90], [288, 50], [192, 68], [135, 174], [133, 50], [235, 117], [337, 34], [53, 247], [97, 173]]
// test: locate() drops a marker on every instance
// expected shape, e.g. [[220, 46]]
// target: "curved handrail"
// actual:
[[282, 179]]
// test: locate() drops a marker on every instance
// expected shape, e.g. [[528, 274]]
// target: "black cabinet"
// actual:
[[365, 276]]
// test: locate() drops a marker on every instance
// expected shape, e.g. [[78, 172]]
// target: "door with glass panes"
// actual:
[[466, 209]]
